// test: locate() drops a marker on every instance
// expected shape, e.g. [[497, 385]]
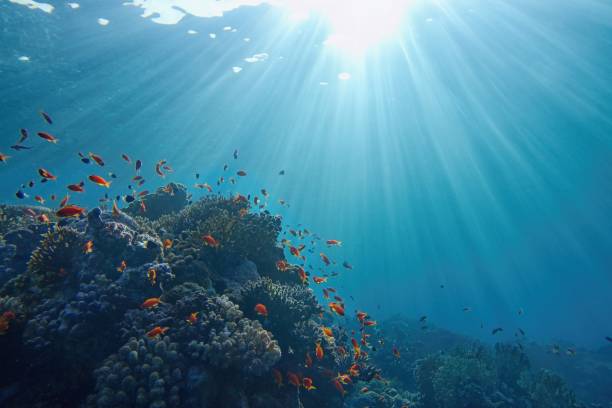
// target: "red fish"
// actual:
[[337, 308], [369, 323], [48, 137], [64, 201], [97, 159], [116, 211], [78, 188], [361, 316], [88, 247], [327, 331], [307, 382], [339, 387], [354, 370], [122, 266], [70, 211], [261, 310], [293, 379], [4, 158], [282, 265], [325, 294], [319, 280], [157, 331], [333, 242], [210, 241], [324, 258], [150, 303], [46, 175], [99, 181], [43, 218], [126, 158], [152, 275], [158, 168], [396, 352], [39, 199], [193, 318], [302, 275], [296, 252], [319, 351]]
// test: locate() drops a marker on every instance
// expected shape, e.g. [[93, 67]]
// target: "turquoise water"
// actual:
[[471, 150]]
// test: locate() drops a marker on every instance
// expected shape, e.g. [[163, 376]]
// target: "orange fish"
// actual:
[[319, 280], [88, 247], [70, 211], [150, 303], [48, 137], [167, 243], [293, 379], [282, 265], [43, 218], [354, 370], [278, 377], [210, 241], [361, 316], [241, 173], [122, 266], [344, 378], [39, 199], [333, 242], [4, 158], [319, 351], [295, 252], [158, 168], [97, 159], [152, 275], [261, 310], [337, 308], [143, 206], [325, 294], [99, 181], [205, 185], [396, 352], [339, 387], [116, 211], [327, 331], [307, 382], [78, 188], [302, 275], [157, 331], [143, 193], [168, 189], [356, 349], [64, 201], [193, 318], [369, 323], [308, 360], [324, 258], [46, 175]]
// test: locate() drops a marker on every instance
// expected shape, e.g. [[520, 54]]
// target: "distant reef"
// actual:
[[163, 309]]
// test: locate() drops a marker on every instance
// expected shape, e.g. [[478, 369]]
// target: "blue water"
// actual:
[[472, 151]]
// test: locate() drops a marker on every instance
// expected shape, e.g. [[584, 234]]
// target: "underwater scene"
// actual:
[[306, 203]]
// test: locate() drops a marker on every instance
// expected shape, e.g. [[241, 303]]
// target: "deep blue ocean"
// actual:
[[464, 162]]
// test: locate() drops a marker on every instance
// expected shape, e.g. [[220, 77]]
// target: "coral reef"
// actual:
[[169, 199]]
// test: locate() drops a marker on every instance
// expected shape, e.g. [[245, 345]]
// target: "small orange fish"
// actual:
[[337, 308], [327, 331], [396, 352], [88, 247], [354, 370], [4, 158], [282, 265], [78, 188], [261, 310], [64, 201], [150, 303], [241, 173], [70, 211], [361, 316], [168, 189], [319, 280], [307, 382], [193, 318], [308, 360], [167, 243], [143, 206], [295, 252], [48, 137], [324, 258], [205, 186], [97, 159], [99, 181], [302, 275], [339, 387], [344, 378], [319, 351], [39, 199], [333, 242], [122, 266], [46, 175], [152, 275], [143, 193], [278, 377], [325, 294], [369, 323], [43, 218], [157, 331], [210, 241], [293, 379]]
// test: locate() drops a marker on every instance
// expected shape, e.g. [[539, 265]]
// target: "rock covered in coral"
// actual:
[[169, 199]]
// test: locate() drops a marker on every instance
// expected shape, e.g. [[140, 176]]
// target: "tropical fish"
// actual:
[[319, 351], [308, 360], [339, 387], [39, 199], [43, 218], [97, 159], [356, 349], [337, 308], [261, 310], [293, 379], [278, 377], [46, 175], [48, 137], [327, 331], [138, 165], [167, 243], [99, 181], [281, 173], [64, 201], [126, 158], [23, 135], [70, 211], [396, 352], [235, 154], [302, 275], [193, 318], [361, 316], [122, 266], [152, 275], [344, 378], [204, 185], [307, 382], [158, 168], [19, 147], [333, 242], [4, 158], [78, 188], [324, 258], [46, 117], [295, 252], [241, 173], [319, 280], [210, 241], [150, 303], [116, 211], [88, 247], [282, 265], [325, 293], [157, 331], [369, 323], [20, 195], [497, 330], [354, 370]]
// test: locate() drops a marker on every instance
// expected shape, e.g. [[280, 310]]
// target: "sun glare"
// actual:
[[355, 25]]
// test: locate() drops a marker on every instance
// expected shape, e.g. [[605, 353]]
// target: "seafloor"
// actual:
[[76, 329]]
